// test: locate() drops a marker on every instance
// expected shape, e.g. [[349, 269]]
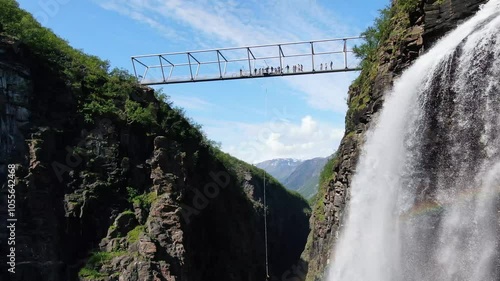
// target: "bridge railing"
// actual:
[[291, 58]]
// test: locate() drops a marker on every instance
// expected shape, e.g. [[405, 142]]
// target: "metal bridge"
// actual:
[[272, 60]]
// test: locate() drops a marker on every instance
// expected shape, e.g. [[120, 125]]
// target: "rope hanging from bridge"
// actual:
[[265, 229], [265, 218]]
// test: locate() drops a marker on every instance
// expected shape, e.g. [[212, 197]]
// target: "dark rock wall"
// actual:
[[73, 194], [427, 24], [439, 19]]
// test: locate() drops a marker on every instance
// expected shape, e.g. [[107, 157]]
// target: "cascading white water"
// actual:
[[425, 198]]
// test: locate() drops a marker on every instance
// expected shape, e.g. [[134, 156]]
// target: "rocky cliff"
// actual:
[[113, 183], [412, 27]]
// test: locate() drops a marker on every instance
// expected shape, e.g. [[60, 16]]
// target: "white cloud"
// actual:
[[131, 11], [306, 139], [326, 91], [191, 103], [219, 23], [226, 23]]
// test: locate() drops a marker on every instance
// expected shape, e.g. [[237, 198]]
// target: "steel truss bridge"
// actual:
[[259, 61]]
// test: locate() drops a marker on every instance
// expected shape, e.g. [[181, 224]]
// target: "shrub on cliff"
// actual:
[[374, 35], [390, 24]]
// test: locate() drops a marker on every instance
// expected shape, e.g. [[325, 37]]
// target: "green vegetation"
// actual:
[[132, 193], [111, 228], [238, 168], [374, 36], [145, 200], [408, 6], [133, 235], [327, 172], [95, 92], [91, 274], [309, 189], [390, 24], [383, 41], [127, 212], [112, 94], [138, 114], [382, 29], [234, 164], [367, 52], [95, 262], [99, 91], [325, 177], [316, 202]]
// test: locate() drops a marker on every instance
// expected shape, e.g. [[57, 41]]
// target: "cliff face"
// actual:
[[411, 33], [115, 184]]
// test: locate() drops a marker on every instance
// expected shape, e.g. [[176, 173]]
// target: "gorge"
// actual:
[[115, 183]]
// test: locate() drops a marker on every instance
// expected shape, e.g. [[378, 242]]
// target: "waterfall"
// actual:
[[425, 196]]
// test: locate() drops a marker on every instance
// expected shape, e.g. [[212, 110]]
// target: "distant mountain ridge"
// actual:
[[305, 178], [280, 168], [299, 175]]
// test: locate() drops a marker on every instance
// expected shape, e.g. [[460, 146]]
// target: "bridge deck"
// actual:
[[259, 61], [244, 76]]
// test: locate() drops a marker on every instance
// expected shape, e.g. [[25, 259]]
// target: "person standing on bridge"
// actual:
[[320, 66], [294, 67], [241, 72], [301, 67], [331, 65], [255, 71], [287, 68]]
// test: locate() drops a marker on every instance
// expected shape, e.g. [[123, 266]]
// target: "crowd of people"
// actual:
[[280, 70]]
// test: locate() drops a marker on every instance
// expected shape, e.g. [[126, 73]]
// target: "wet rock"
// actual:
[[429, 23], [441, 18]]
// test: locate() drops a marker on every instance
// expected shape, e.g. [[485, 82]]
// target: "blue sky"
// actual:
[[255, 119]]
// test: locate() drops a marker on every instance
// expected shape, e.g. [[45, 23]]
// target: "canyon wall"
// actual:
[[114, 183]]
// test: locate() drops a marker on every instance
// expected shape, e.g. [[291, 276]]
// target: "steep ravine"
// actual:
[[411, 33], [116, 184]]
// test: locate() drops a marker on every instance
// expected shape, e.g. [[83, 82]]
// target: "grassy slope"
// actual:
[[239, 167]]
